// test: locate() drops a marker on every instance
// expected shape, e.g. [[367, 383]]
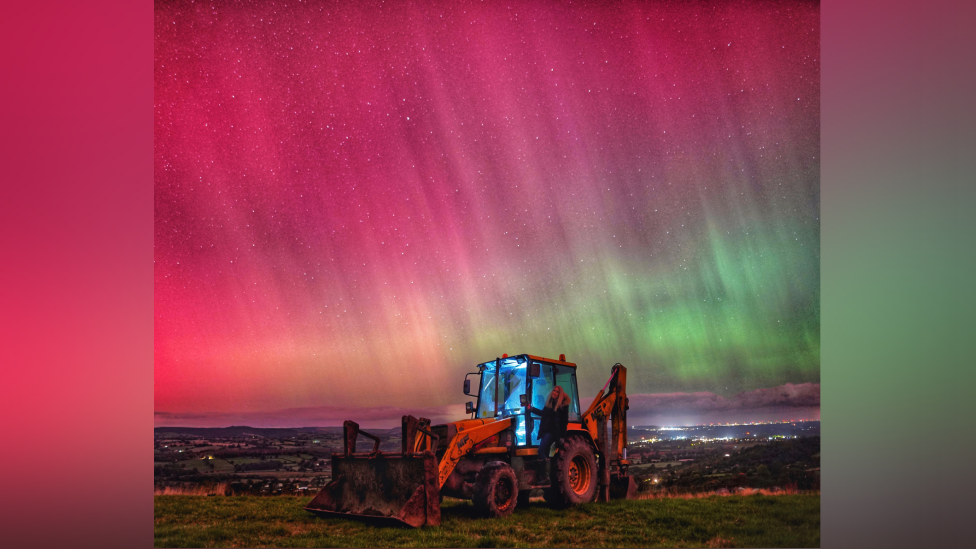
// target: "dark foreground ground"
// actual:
[[731, 521]]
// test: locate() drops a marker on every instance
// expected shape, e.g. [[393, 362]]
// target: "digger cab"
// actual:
[[509, 378]]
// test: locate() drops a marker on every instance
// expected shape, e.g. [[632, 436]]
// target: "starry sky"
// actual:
[[356, 202]]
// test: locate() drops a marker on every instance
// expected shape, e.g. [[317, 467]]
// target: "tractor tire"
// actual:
[[496, 490], [573, 476]]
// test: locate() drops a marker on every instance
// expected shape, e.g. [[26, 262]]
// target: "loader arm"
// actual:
[[463, 442]]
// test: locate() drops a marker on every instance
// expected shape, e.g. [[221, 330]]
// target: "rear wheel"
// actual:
[[496, 490], [573, 477]]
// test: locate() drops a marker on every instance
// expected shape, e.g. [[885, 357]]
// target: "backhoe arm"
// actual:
[[618, 418], [611, 402]]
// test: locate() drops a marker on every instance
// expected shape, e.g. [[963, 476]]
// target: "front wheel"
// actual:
[[574, 474], [496, 490]]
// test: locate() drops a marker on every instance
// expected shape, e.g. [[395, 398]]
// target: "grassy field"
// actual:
[[732, 521]]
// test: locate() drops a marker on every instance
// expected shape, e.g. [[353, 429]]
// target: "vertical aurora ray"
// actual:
[[354, 205]]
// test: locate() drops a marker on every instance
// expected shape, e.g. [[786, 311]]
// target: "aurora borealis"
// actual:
[[355, 203]]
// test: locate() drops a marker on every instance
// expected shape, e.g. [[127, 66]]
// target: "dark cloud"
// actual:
[[165, 416], [659, 402], [788, 395], [335, 415]]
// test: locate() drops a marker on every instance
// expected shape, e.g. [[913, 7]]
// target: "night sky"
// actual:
[[355, 202]]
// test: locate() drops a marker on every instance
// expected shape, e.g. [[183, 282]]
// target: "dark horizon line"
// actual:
[[727, 424]]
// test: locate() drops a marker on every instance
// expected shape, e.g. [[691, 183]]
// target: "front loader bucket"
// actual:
[[381, 487]]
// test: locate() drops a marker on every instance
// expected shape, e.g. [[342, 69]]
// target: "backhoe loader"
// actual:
[[491, 457]]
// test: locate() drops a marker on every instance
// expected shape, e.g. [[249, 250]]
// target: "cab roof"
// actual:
[[539, 358], [553, 360]]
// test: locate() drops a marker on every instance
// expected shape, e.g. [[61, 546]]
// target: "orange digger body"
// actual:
[[492, 457]]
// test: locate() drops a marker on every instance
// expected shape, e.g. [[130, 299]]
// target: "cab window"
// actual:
[[511, 385], [566, 378]]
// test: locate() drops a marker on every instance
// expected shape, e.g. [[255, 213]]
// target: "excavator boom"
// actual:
[[611, 402]]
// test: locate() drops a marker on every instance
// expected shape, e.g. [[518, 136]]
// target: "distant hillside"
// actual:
[[793, 462], [267, 432], [241, 431], [800, 453]]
